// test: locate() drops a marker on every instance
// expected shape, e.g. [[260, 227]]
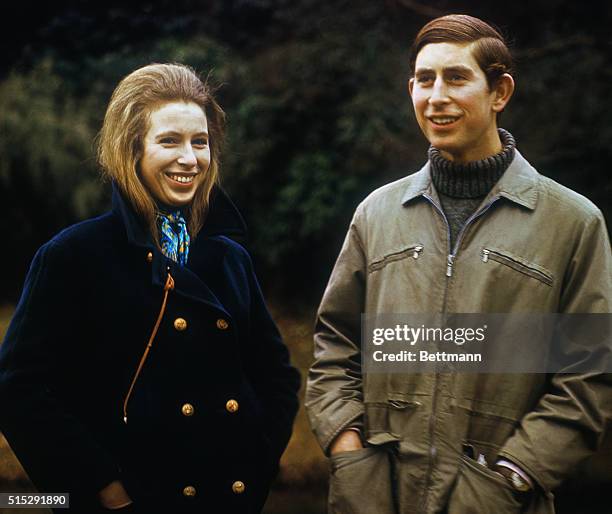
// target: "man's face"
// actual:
[[453, 104]]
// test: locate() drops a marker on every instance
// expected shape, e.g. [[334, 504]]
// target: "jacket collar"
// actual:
[[223, 218], [420, 184], [518, 184]]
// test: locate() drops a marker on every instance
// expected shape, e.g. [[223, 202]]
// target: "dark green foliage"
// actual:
[[317, 104]]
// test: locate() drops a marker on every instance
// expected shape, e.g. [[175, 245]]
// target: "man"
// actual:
[[476, 230]]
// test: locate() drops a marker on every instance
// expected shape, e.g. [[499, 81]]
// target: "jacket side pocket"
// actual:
[[361, 482], [479, 490]]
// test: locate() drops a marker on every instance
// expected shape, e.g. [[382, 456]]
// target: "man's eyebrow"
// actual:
[[456, 68]]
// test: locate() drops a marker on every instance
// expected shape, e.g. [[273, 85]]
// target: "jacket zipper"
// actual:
[[450, 258], [449, 265], [449, 273], [434, 400], [473, 217], [513, 263], [448, 240]]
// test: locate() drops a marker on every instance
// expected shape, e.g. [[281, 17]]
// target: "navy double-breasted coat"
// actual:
[[212, 409]]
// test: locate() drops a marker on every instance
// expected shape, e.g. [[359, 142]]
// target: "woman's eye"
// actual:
[[168, 141], [200, 142]]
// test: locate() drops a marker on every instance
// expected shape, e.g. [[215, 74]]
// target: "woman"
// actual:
[[142, 371]]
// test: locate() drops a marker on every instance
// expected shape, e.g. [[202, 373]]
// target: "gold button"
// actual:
[[187, 409], [189, 491], [180, 324], [238, 487], [149, 257], [222, 324], [231, 406]]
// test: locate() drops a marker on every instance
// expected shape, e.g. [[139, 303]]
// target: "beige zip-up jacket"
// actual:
[[533, 246]]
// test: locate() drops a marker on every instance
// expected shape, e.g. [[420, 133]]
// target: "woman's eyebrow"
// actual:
[[175, 133]]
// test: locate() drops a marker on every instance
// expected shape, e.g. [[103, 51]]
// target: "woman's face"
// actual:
[[176, 153]]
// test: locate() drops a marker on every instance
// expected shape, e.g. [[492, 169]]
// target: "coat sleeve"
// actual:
[[54, 447], [568, 423], [334, 393], [268, 367]]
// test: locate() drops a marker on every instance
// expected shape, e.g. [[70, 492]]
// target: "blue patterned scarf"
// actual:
[[174, 237]]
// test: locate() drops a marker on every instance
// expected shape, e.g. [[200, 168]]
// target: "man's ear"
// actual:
[[410, 86], [503, 92]]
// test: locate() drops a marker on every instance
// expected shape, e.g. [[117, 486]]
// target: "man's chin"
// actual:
[[449, 151]]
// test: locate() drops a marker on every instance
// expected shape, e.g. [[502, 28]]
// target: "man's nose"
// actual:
[[187, 156], [439, 92]]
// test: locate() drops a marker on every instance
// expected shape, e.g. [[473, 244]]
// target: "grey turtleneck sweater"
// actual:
[[463, 186]]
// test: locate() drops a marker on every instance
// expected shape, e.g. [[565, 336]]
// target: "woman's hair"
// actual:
[[126, 122], [490, 51]]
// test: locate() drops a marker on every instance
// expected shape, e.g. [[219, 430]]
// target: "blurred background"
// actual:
[[318, 116]]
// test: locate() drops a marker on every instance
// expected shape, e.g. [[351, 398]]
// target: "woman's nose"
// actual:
[[187, 157]]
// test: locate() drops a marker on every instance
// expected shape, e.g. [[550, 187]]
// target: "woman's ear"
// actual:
[[503, 92]]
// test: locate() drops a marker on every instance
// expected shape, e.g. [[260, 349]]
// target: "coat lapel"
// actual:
[[206, 253]]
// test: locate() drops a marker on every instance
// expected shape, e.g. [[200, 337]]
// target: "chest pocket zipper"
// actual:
[[488, 254], [413, 251]]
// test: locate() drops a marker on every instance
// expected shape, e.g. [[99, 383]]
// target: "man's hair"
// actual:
[[491, 51], [120, 142]]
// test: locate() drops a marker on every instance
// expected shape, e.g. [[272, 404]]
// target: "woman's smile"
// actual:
[[176, 153], [181, 179]]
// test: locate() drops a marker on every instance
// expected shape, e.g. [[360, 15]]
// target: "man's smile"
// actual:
[[443, 120]]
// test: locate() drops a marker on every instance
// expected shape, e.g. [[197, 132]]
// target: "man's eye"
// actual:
[[168, 141], [424, 79], [457, 78]]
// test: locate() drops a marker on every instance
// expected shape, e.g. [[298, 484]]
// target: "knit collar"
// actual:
[[471, 179]]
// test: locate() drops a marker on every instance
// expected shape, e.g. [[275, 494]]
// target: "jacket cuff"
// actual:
[[515, 456], [512, 466], [343, 418]]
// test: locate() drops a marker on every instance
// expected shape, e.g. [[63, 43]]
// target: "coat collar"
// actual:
[[518, 184], [223, 218]]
